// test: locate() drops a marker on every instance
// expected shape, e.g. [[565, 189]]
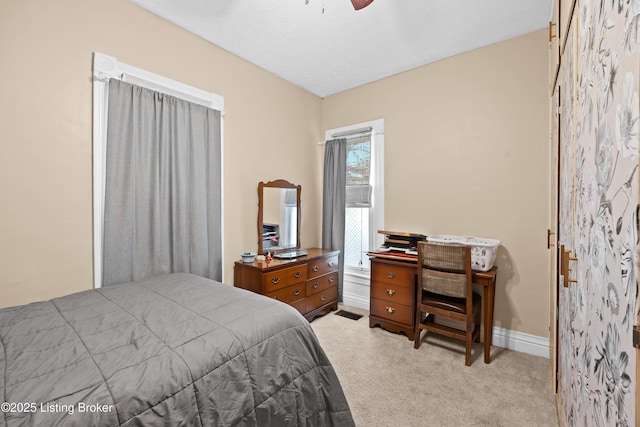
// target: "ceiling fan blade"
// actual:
[[359, 4]]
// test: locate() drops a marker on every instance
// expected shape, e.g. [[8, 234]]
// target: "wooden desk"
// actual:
[[393, 294]]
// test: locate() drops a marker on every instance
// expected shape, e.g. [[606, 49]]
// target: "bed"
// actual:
[[171, 350]]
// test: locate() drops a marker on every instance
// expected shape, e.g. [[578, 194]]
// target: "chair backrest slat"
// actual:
[[444, 257], [445, 268], [444, 283]]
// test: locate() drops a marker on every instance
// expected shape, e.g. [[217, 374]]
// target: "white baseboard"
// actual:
[[519, 341], [505, 338]]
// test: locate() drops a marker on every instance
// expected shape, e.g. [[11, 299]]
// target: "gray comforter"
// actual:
[[171, 350]]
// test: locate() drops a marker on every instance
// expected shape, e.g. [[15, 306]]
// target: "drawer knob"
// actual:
[[296, 292], [275, 280], [316, 268], [391, 274], [331, 264], [391, 310], [391, 292], [331, 279], [297, 274], [323, 297], [316, 285]]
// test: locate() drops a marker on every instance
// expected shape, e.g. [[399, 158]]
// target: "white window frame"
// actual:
[[106, 67], [376, 215]]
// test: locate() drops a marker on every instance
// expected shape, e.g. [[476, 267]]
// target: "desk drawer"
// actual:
[[321, 298], [396, 274], [392, 311], [393, 292], [321, 283], [289, 294]]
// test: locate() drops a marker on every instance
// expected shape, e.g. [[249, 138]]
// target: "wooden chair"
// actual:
[[445, 289]]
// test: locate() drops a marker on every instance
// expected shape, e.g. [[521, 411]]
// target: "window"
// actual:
[[364, 214], [358, 201], [104, 68]]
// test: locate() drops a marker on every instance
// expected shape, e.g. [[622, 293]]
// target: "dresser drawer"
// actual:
[[322, 266], [297, 274], [289, 294], [279, 279], [392, 292], [396, 274], [321, 298], [300, 305], [321, 283], [274, 280], [392, 311]]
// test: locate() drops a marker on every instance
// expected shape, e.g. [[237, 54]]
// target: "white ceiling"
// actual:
[[327, 47]]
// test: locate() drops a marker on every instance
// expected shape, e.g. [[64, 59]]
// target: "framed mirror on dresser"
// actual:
[[306, 279], [279, 216]]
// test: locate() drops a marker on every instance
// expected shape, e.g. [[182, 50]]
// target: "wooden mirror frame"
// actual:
[[279, 183]]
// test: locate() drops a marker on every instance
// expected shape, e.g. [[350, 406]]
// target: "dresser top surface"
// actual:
[[276, 263]]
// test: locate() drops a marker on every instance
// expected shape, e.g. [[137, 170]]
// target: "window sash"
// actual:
[[358, 181]]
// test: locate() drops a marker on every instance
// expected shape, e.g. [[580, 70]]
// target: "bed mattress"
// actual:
[[172, 350]]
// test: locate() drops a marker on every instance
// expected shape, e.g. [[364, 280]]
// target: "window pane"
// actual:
[[358, 161], [356, 241]]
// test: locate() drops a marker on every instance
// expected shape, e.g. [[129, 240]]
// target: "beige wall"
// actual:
[[466, 153], [466, 145], [45, 135]]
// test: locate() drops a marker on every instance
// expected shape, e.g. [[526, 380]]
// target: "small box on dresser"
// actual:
[[308, 283]]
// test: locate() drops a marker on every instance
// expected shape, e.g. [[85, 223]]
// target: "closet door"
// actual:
[[566, 223], [598, 221]]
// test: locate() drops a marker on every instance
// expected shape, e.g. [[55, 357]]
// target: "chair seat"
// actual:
[[457, 305]]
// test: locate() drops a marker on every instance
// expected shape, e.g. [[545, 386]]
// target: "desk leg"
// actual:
[[489, 295]]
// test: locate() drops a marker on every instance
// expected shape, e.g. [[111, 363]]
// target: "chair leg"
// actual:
[[478, 318], [416, 328], [416, 336], [468, 346]]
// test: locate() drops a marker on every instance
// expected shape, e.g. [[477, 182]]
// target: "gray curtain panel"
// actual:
[[334, 201], [163, 194]]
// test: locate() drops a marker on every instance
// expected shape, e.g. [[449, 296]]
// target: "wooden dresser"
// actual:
[[393, 295], [308, 283]]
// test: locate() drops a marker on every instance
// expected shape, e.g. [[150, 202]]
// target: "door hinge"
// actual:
[[549, 244], [551, 35]]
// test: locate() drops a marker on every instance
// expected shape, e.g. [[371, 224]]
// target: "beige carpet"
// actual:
[[389, 383]]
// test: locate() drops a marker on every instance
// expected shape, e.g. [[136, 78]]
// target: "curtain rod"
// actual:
[[349, 133], [181, 94]]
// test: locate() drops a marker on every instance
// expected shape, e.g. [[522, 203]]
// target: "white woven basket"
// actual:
[[483, 251]]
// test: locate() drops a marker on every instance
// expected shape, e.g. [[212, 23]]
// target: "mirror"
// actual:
[[278, 216]]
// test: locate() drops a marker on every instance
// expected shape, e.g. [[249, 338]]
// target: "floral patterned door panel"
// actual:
[[566, 227], [596, 319]]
